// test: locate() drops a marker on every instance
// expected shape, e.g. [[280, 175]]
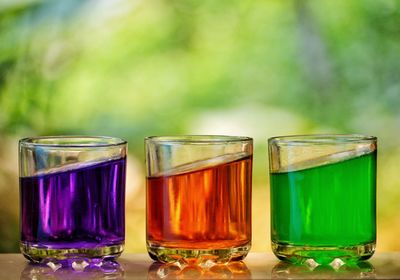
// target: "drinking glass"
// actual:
[[323, 198], [72, 197], [198, 197]]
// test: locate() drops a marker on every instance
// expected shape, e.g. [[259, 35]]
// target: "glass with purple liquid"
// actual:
[[72, 197]]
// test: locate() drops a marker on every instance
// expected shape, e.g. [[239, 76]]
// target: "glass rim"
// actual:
[[198, 139], [322, 139], [54, 141]]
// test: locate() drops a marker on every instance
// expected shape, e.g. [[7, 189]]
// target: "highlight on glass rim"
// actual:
[[258, 69]]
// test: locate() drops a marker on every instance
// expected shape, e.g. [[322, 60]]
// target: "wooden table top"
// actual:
[[255, 266]]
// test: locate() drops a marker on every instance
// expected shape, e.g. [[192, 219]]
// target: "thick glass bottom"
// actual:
[[315, 256], [43, 255], [170, 255]]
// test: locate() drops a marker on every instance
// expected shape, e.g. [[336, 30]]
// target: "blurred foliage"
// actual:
[[137, 68]]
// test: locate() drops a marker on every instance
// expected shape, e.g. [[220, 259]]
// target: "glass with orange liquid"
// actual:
[[198, 197]]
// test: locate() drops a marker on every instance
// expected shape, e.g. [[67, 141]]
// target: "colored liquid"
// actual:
[[208, 208], [329, 205], [79, 208]]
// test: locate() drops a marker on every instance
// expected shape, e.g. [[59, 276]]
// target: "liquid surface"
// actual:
[[205, 209], [79, 208], [329, 205]]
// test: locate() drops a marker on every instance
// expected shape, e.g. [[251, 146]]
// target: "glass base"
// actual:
[[315, 256], [43, 255], [224, 255]]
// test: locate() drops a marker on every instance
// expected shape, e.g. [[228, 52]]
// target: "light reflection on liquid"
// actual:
[[232, 270]]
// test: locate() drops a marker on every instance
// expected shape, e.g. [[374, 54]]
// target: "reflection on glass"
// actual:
[[207, 270], [360, 270], [198, 197], [72, 197], [323, 197], [81, 269]]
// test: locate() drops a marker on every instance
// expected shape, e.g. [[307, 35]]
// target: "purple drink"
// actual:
[[77, 212]]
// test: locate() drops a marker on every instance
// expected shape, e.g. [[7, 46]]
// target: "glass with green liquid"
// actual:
[[323, 198]]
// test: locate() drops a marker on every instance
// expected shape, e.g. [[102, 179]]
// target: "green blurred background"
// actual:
[[258, 68]]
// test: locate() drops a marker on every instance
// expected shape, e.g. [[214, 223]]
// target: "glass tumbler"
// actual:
[[323, 198], [198, 197], [72, 197]]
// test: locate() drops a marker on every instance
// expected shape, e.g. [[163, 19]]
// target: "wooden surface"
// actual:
[[255, 266]]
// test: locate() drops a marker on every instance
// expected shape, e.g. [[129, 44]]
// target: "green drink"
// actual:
[[323, 207]]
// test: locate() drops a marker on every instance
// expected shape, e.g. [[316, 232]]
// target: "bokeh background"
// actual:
[[261, 68]]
